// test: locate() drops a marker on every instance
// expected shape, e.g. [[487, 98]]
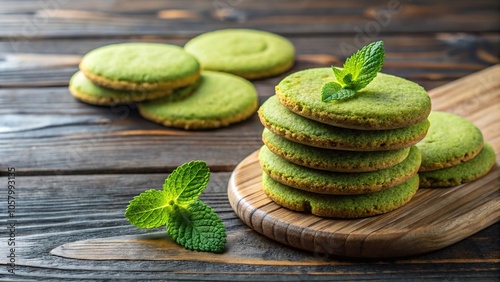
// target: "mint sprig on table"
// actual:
[[359, 70], [189, 222]]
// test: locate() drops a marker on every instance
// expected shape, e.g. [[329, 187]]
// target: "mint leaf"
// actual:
[[339, 74], [359, 70], [187, 182], [334, 91], [148, 210], [197, 228], [373, 59], [190, 222]]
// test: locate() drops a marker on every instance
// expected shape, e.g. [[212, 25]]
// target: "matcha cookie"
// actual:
[[340, 206], [140, 66], [248, 53], [283, 122], [219, 100], [461, 173], [388, 102], [338, 183], [332, 160], [450, 140], [86, 91]]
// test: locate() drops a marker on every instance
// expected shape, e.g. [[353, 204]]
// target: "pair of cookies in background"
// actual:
[[347, 159], [176, 85]]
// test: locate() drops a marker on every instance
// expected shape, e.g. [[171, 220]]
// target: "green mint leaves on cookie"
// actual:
[[189, 222], [359, 70]]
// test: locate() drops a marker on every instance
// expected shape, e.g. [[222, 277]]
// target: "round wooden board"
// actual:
[[433, 219]]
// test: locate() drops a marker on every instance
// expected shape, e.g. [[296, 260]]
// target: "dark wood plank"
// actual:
[[63, 18], [56, 210], [430, 59]]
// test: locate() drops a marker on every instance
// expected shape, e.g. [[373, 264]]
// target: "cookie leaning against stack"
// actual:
[[353, 139], [132, 72], [453, 152]]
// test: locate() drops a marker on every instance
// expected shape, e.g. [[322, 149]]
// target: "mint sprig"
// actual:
[[358, 71], [189, 222]]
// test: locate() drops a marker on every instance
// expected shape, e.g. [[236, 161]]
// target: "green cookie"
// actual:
[[332, 160], [283, 122], [86, 91], [461, 173], [219, 100], [248, 53], [451, 140], [338, 183], [340, 206], [388, 102], [140, 66]]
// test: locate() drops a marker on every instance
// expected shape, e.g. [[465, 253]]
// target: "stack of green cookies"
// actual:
[[453, 152], [349, 158]]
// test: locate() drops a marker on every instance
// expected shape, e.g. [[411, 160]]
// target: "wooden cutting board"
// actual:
[[433, 219]]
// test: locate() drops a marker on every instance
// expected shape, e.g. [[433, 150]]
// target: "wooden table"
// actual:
[[77, 166]]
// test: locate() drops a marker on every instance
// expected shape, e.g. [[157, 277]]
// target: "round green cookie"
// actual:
[[86, 91], [248, 53], [283, 122], [332, 160], [337, 183], [461, 173], [450, 140], [340, 206], [219, 100], [388, 102], [140, 66]]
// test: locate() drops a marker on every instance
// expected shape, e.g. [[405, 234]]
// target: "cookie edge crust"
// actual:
[[146, 86], [333, 189], [335, 144], [335, 167], [305, 206], [110, 101], [198, 124]]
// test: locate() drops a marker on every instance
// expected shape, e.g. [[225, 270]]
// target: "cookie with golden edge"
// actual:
[[140, 66], [280, 120], [450, 140], [387, 102], [340, 206], [248, 53], [461, 173], [337, 183], [219, 100], [86, 91], [332, 160]]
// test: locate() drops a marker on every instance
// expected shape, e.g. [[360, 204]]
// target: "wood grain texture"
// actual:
[[62, 18], [428, 59], [79, 165], [84, 214], [433, 219]]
